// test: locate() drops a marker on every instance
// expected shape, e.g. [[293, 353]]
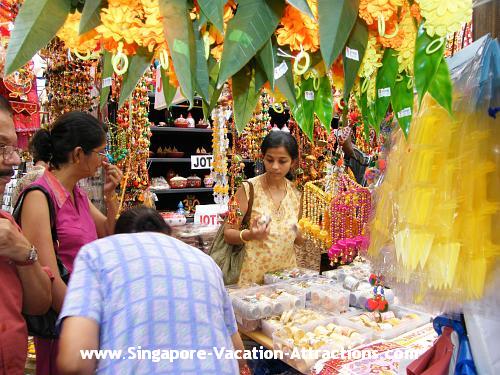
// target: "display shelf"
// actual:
[[165, 129], [181, 160], [180, 191]]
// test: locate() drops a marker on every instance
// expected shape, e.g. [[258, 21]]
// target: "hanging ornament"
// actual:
[[220, 144]]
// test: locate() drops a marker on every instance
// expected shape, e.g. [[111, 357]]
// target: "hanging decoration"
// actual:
[[240, 36], [220, 145]]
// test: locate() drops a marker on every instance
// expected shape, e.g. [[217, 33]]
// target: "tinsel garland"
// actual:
[[220, 145]]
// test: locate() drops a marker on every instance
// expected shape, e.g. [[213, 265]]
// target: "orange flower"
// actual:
[[415, 12], [396, 38], [371, 10], [298, 30], [338, 73]]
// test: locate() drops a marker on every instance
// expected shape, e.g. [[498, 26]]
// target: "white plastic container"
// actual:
[[293, 318], [386, 329], [334, 337], [313, 283], [331, 298], [297, 273], [265, 301]]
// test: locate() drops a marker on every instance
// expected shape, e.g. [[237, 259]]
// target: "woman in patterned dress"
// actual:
[[269, 240]]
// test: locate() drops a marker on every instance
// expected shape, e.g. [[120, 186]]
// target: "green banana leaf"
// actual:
[[260, 75], [245, 95], [303, 112], [336, 20], [33, 30], [353, 55], [441, 87], [136, 68], [214, 11], [402, 103], [425, 65], [181, 42], [323, 103], [386, 78], [201, 80], [247, 32], [303, 6], [213, 91], [91, 15], [168, 90], [107, 72], [285, 84], [265, 59]]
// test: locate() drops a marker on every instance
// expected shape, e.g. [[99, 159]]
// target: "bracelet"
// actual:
[[241, 236]]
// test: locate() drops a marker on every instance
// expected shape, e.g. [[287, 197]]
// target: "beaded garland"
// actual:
[[220, 144]]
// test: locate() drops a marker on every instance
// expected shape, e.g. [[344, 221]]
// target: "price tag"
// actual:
[[208, 214], [309, 95], [404, 112], [280, 70], [201, 161], [352, 54], [383, 93], [106, 82]]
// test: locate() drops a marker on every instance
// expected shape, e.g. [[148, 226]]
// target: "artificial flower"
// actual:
[[117, 23], [338, 74], [298, 30], [407, 48], [371, 10], [372, 60], [444, 17], [69, 34]]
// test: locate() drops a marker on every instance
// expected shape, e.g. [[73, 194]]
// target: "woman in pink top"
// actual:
[[76, 149]]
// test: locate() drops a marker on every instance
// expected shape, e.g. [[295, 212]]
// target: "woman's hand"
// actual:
[[113, 177], [259, 231]]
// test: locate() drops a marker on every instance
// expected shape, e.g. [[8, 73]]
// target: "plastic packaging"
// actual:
[[292, 318], [308, 285], [332, 299]]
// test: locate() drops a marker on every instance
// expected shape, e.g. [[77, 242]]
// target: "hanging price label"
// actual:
[[309, 95], [201, 161], [280, 70], [383, 93], [106, 82], [352, 54], [404, 112], [208, 214]]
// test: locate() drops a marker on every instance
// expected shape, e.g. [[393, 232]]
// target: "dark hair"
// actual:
[[5, 105], [36, 148], [70, 130], [141, 219], [280, 139]]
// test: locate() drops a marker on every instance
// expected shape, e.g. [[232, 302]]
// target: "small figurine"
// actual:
[[180, 209]]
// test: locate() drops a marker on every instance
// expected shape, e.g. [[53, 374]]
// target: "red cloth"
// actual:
[[13, 331]]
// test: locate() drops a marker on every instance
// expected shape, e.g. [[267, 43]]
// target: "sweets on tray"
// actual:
[[287, 274], [262, 302], [291, 318], [382, 321], [358, 270], [311, 283]]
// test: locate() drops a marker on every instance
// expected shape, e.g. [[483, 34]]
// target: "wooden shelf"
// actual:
[[180, 191], [166, 129]]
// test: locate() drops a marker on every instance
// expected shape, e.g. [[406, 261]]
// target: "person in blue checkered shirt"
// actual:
[[144, 299]]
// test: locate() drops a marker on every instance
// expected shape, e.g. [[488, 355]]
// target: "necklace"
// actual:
[[277, 213]]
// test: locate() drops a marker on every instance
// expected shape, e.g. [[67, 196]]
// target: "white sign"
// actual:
[[382, 93], [160, 102], [352, 54], [208, 214], [309, 95], [280, 70], [404, 112], [106, 82], [201, 161]]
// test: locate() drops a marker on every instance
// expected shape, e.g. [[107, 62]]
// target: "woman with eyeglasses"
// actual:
[[75, 149]]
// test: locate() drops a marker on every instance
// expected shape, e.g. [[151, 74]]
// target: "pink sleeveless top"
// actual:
[[75, 226]]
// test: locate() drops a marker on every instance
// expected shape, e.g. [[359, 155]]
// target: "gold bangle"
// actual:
[[241, 236]]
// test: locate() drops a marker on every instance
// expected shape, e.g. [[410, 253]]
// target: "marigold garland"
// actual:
[[443, 17], [298, 30]]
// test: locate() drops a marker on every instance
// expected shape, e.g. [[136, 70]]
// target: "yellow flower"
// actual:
[[68, 33], [444, 17], [372, 59], [119, 22], [296, 29], [407, 48], [371, 10]]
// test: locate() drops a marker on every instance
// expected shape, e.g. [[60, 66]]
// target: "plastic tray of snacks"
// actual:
[[333, 299], [287, 274], [311, 283], [393, 323], [359, 270], [248, 324], [359, 297], [292, 318], [265, 301], [313, 341]]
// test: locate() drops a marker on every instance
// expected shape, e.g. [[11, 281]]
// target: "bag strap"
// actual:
[[246, 218], [16, 214]]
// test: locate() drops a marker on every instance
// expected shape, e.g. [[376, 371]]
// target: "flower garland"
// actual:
[[298, 30], [220, 145]]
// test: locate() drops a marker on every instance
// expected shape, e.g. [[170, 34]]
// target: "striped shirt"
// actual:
[[152, 291]]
